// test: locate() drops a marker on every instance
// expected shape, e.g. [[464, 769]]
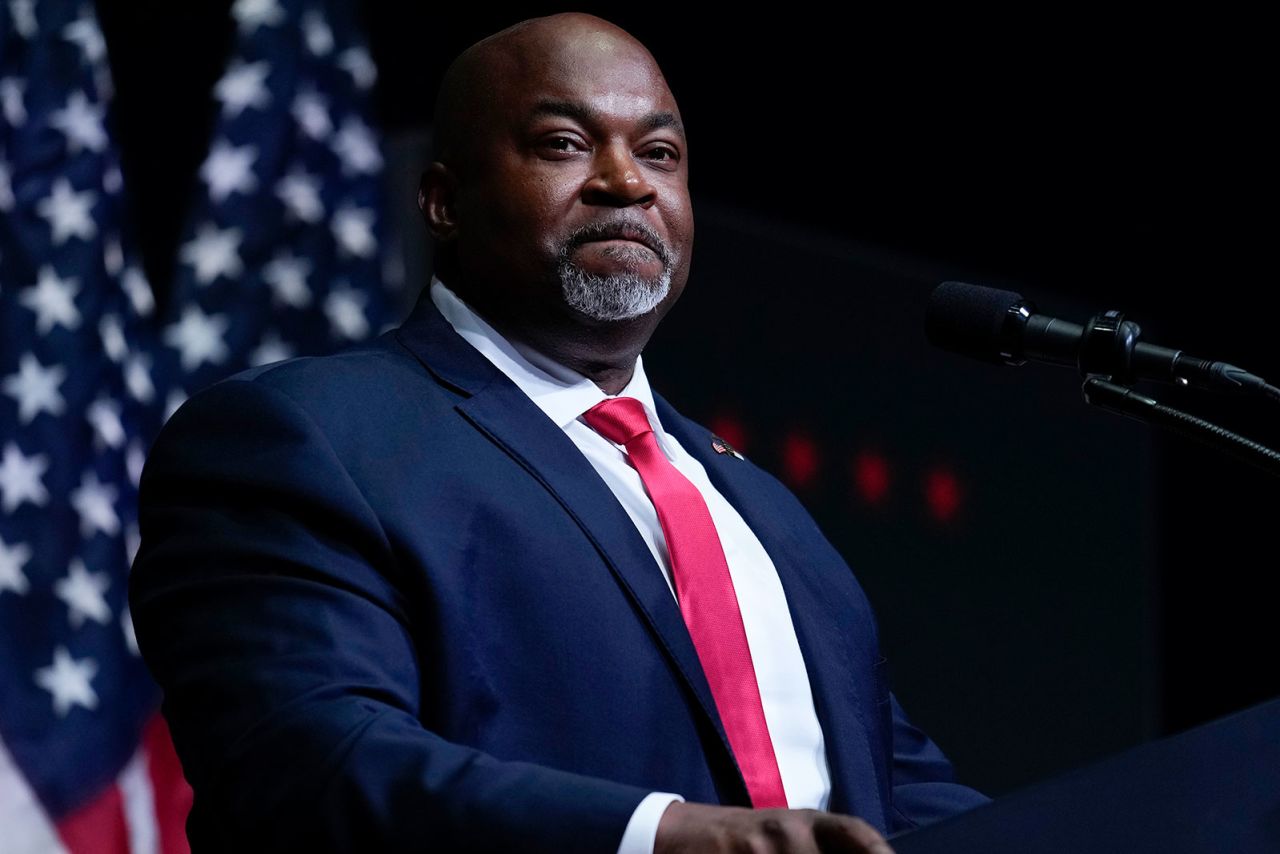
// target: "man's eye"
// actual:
[[662, 154], [560, 143]]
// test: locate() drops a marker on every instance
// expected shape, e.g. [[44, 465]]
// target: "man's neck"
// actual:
[[603, 352]]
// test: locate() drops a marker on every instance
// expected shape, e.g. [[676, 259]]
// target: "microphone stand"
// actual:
[[1125, 401]]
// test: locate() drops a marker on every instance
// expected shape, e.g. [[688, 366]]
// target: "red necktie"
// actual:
[[705, 592]]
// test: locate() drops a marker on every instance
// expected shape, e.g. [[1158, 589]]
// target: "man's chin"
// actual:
[[615, 297]]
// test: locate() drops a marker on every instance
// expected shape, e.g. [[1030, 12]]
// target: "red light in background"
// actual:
[[942, 494], [871, 476], [799, 459], [731, 430]]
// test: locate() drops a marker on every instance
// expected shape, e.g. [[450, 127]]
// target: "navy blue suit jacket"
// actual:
[[393, 607]]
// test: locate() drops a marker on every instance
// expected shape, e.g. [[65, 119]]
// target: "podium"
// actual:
[[1211, 790]]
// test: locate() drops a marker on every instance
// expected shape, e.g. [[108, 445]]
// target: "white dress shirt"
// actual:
[[564, 395]]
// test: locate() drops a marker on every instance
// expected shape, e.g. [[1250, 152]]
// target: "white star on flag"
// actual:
[[53, 299], [312, 114], [11, 91], [229, 170], [68, 212], [213, 253], [353, 229], [316, 33], [137, 377], [95, 502], [345, 310], [357, 62], [243, 86], [84, 32], [272, 349], [300, 193], [20, 478], [112, 335], [138, 289], [104, 417], [35, 388], [130, 636], [12, 559], [251, 14], [81, 123], [6, 187], [198, 338], [357, 147], [69, 681], [82, 592], [287, 276], [24, 17]]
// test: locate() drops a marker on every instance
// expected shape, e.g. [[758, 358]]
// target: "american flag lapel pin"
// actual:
[[720, 446]]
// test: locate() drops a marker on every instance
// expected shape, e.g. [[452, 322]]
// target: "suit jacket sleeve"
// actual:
[[267, 604]]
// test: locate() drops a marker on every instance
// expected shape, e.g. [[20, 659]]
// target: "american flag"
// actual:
[[282, 256]]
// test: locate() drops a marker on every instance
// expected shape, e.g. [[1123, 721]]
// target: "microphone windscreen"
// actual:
[[969, 319]]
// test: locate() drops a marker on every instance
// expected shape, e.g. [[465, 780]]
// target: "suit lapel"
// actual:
[[499, 409], [817, 600]]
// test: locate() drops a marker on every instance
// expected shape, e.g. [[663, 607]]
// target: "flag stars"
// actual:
[[53, 299], [81, 123], [35, 388], [21, 478], [69, 681], [357, 62], [67, 212], [229, 170], [6, 187], [11, 104], [138, 290], [213, 253], [95, 501], [316, 33], [83, 593], [244, 85], [345, 309], [84, 33], [357, 148], [272, 349], [104, 417], [137, 377], [287, 276], [312, 114], [12, 560], [198, 338], [252, 14], [353, 229], [300, 193], [23, 14]]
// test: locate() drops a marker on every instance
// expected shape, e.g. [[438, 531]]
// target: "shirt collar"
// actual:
[[561, 392]]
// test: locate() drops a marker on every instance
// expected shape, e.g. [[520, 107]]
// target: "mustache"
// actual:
[[619, 229]]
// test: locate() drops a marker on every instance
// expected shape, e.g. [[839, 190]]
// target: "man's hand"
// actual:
[[701, 827]]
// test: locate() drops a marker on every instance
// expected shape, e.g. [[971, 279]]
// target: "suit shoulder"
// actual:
[[379, 376]]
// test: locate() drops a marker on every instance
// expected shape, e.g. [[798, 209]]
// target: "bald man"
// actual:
[[474, 585]]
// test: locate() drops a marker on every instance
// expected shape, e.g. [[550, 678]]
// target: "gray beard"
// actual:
[[616, 297]]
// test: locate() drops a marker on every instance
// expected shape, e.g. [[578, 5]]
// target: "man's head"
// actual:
[[559, 198]]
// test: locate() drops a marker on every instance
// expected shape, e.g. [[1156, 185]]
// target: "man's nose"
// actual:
[[618, 180]]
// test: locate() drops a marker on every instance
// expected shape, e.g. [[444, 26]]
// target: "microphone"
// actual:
[[1002, 327]]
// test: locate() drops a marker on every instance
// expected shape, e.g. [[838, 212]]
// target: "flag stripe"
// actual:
[[97, 827], [27, 830], [172, 794]]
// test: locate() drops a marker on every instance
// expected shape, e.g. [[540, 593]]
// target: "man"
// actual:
[[426, 593]]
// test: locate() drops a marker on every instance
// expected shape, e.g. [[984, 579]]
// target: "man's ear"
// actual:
[[437, 198]]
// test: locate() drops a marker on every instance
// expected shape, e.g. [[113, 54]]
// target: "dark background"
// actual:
[[1053, 584]]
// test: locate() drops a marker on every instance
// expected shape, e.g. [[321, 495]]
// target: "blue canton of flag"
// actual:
[[282, 252], [281, 256]]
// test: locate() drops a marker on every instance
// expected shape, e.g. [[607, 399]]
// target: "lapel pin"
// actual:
[[720, 446]]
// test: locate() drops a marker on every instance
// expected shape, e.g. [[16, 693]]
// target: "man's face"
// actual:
[[577, 201]]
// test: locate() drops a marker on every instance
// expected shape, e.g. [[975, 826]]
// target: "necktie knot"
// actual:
[[618, 419]]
